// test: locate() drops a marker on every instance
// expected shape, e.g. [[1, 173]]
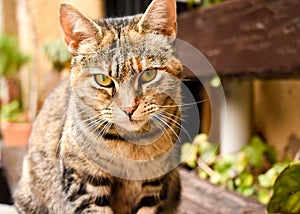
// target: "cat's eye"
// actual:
[[148, 75], [103, 80]]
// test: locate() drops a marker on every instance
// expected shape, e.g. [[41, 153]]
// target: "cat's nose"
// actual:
[[129, 110]]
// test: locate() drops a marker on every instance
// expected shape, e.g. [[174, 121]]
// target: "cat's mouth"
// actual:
[[130, 125]]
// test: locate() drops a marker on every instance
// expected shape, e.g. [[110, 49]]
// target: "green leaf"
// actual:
[[216, 178], [189, 155], [255, 151], [208, 152], [225, 163], [11, 56], [241, 163], [58, 54], [224, 168], [230, 162], [247, 179], [200, 139], [230, 185], [244, 183], [286, 195], [264, 195], [206, 3], [202, 174], [267, 180], [215, 82], [271, 154], [246, 191], [11, 111]]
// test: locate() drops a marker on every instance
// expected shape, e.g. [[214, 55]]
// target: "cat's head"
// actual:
[[124, 70]]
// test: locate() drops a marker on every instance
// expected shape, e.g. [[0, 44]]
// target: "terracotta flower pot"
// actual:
[[15, 134]]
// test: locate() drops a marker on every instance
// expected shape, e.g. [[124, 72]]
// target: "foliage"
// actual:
[[206, 3], [215, 82], [58, 54], [286, 196], [11, 57], [203, 3], [11, 111], [250, 172]]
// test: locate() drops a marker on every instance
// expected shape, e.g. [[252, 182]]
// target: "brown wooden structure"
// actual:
[[247, 38], [202, 197]]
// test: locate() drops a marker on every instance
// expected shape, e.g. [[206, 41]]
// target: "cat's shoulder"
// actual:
[[54, 108]]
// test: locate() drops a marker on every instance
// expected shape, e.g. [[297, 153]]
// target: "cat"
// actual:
[[105, 140]]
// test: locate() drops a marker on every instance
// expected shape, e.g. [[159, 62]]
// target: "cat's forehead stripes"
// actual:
[[119, 22], [129, 56], [126, 46]]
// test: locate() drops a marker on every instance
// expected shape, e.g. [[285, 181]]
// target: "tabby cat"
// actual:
[[105, 140]]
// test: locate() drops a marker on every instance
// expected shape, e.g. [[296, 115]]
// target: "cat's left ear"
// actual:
[[81, 33], [160, 17]]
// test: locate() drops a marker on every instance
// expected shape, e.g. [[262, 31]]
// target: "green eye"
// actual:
[[148, 75], [103, 80]]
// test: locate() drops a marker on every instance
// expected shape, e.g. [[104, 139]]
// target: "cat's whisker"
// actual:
[[172, 115], [95, 125], [87, 148], [169, 118], [177, 124], [104, 129], [162, 128], [166, 123], [91, 119], [93, 122], [182, 105], [98, 135]]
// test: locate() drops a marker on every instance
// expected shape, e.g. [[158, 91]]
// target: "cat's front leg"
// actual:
[[149, 205], [91, 204], [160, 196], [85, 193], [147, 210], [153, 195], [96, 210]]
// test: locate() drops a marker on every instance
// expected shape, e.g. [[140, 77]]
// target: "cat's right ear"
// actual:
[[81, 33], [160, 17]]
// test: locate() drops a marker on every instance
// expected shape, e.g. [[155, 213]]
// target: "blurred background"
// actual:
[[253, 45]]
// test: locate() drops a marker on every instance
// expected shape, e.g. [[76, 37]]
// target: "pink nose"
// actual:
[[130, 110]]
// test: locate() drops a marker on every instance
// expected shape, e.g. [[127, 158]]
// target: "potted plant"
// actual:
[[59, 57], [58, 54], [14, 130]]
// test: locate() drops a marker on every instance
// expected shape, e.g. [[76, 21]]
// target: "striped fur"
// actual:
[[84, 126]]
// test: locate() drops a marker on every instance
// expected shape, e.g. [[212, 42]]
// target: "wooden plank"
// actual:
[[201, 197], [247, 38]]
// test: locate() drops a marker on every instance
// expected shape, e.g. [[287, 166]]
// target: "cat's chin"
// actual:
[[131, 125]]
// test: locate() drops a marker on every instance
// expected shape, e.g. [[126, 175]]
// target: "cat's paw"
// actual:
[[99, 210], [147, 210]]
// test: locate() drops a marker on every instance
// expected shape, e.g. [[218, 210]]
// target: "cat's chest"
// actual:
[[125, 195]]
